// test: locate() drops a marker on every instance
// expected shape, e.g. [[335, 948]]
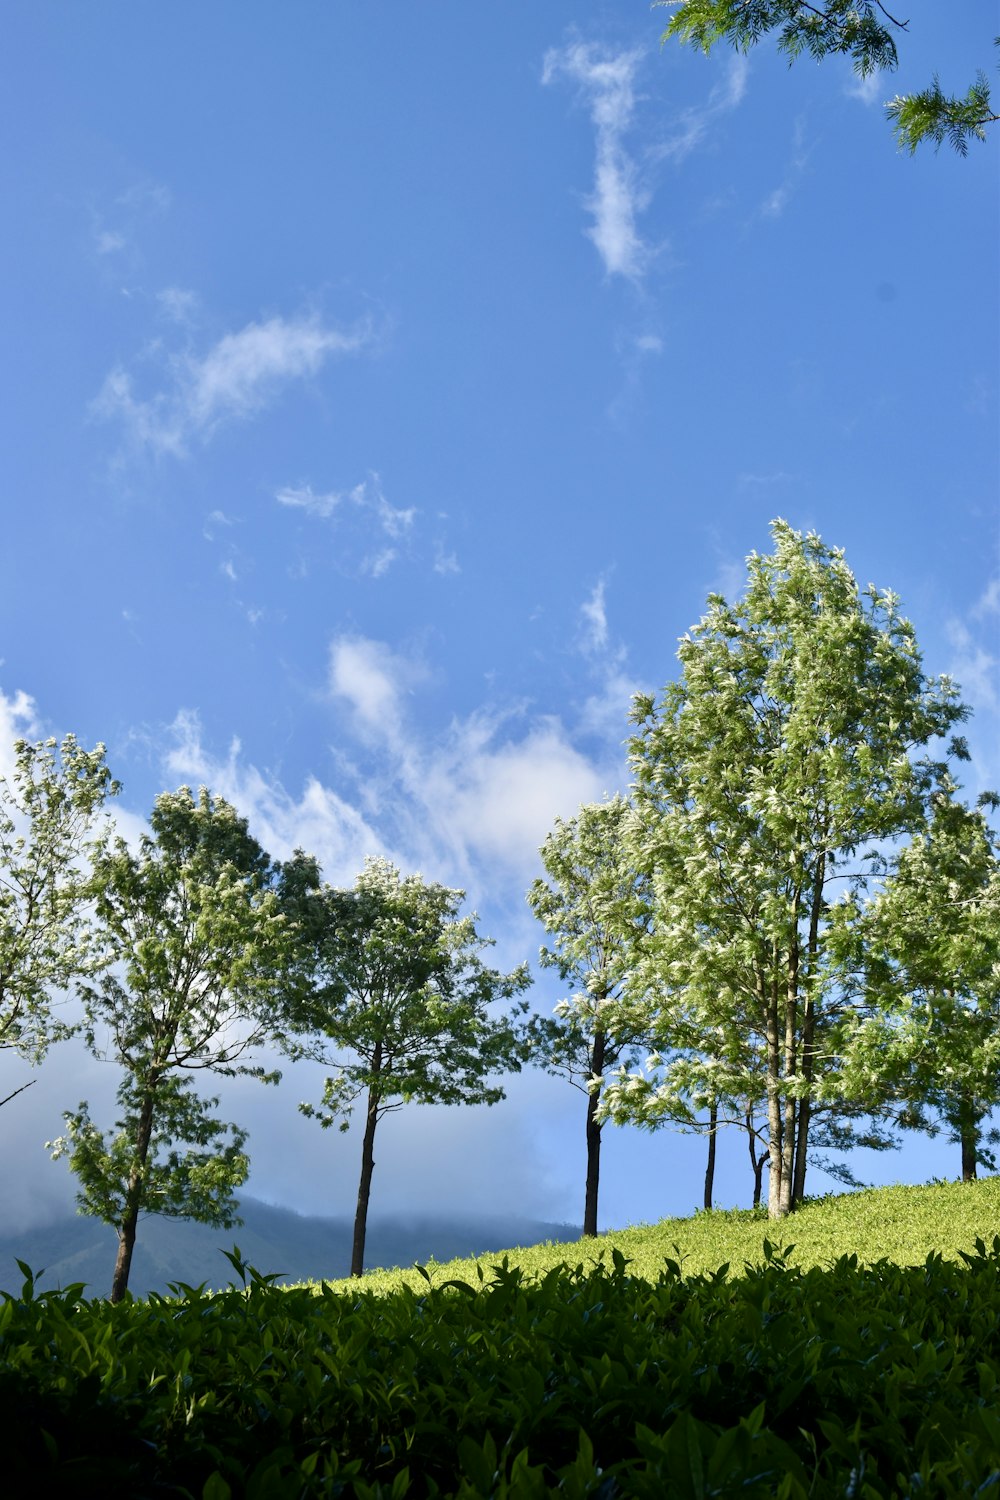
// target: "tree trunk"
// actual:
[[774, 1121], [757, 1162], [809, 1032], [713, 1125], [968, 1134], [593, 1139], [791, 1062], [801, 1146], [134, 1194], [365, 1185]]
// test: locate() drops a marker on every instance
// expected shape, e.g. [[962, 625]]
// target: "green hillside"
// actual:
[[901, 1224]]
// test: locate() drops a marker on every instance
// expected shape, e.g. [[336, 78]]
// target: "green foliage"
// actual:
[[585, 1379], [595, 907], [775, 767], [199, 945], [862, 30], [928, 951], [935, 116], [48, 812], [194, 1183], [389, 989], [395, 978]]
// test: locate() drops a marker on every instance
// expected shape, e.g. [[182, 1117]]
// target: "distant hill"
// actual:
[[300, 1248]]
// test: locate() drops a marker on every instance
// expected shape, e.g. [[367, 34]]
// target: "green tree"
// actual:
[[774, 767], [927, 949], [864, 31], [596, 909], [393, 995], [48, 813], [199, 944]]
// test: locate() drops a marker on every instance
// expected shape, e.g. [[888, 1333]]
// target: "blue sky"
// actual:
[[385, 388]]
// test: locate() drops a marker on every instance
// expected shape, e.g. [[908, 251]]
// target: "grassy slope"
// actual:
[[901, 1224]]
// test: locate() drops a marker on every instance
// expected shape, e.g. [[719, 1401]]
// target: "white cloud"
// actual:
[[607, 79], [989, 603], [595, 619], [304, 497], [373, 680], [774, 205], [109, 241], [18, 721], [237, 377], [318, 820], [380, 563], [476, 800], [177, 304], [866, 89], [370, 510], [974, 668], [695, 123]]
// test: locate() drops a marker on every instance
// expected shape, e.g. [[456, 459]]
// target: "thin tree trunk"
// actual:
[[801, 1146], [134, 1194], [593, 1138], [774, 1121], [968, 1134], [758, 1163], [713, 1125], [365, 1185], [809, 1032], [790, 1067]]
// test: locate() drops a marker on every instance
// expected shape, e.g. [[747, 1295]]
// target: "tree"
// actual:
[[775, 766], [596, 908], [393, 996], [928, 951], [48, 812], [199, 945], [862, 30]]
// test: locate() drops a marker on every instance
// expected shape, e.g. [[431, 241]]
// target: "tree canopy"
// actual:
[[771, 770], [48, 812], [199, 945], [863, 30], [927, 951], [394, 997]]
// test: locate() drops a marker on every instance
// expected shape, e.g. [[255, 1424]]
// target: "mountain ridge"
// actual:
[[273, 1239]]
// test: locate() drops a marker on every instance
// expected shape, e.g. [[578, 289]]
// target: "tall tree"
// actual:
[[927, 950], [596, 909], [863, 30], [394, 997], [779, 761], [48, 814], [199, 945]]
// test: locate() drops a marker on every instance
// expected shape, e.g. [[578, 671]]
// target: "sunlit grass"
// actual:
[[900, 1224]]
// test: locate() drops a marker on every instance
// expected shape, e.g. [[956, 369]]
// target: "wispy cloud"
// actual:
[[595, 619], [974, 665], [231, 381], [371, 512], [868, 89], [694, 124], [776, 202], [606, 80], [604, 713]]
